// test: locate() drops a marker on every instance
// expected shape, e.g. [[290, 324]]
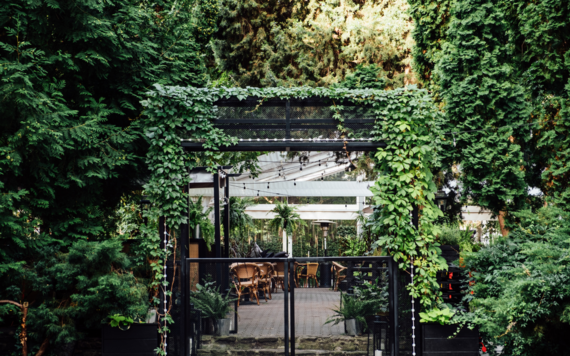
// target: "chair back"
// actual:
[[312, 268], [338, 267], [265, 269], [280, 268], [246, 271]]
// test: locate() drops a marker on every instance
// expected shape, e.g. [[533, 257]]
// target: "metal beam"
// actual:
[[276, 145]]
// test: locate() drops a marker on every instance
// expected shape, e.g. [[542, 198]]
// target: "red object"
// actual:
[[483, 348], [450, 275], [450, 287]]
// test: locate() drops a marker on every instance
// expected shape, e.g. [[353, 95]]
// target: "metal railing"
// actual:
[[220, 274]]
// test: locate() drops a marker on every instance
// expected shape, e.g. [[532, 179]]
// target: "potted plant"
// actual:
[[125, 335], [353, 312], [214, 306], [439, 335]]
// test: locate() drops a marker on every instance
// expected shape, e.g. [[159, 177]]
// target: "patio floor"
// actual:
[[312, 308]]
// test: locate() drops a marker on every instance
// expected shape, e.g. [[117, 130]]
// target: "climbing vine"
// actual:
[[405, 120]]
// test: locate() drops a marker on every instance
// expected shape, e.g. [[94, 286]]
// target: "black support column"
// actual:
[[417, 304]]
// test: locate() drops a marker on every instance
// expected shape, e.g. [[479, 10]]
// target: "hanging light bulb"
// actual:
[[294, 182], [301, 167], [319, 163], [258, 193], [243, 186], [322, 176], [268, 185]]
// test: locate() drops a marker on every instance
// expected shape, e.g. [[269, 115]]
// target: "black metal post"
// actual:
[[161, 230], [288, 119], [286, 306], [227, 219], [417, 304], [395, 275], [225, 271], [217, 232], [292, 302], [184, 235]]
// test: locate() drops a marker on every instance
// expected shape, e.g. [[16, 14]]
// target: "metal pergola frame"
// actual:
[[287, 144], [288, 124]]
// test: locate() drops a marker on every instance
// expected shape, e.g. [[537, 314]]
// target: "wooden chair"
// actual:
[[247, 277], [337, 269], [298, 271], [312, 268], [265, 278], [280, 274]]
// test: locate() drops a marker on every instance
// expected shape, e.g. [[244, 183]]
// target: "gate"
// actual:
[[373, 269]]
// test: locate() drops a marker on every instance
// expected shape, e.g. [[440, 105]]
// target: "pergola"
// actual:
[[286, 125]]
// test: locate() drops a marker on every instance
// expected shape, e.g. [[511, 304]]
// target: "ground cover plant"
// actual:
[[519, 290]]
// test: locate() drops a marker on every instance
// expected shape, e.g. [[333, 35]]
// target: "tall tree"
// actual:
[[295, 43], [72, 75], [504, 92]]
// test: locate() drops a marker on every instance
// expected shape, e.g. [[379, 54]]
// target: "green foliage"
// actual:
[[240, 223], [315, 43], [210, 301], [120, 321], [286, 218], [376, 291], [364, 77], [411, 133], [453, 235], [197, 215], [346, 231], [406, 121], [357, 307], [501, 71], [521, 297], [75, 290], [485, 107], [71, 144], [436, 315], [354, 246]]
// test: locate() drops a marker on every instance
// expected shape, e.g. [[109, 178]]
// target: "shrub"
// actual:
[[519, 293]]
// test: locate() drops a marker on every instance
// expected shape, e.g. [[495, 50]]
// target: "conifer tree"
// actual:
[[72, 75], [313, 42]]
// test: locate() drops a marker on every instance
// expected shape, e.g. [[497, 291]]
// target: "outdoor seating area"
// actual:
[[264, 279]]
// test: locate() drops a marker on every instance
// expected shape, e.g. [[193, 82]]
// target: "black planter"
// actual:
[[139, 339], [435, 341]]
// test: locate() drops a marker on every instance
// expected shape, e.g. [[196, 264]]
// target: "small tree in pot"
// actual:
[[213, 305]]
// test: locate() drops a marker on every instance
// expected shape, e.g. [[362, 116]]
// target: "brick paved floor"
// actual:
[[312, 308]]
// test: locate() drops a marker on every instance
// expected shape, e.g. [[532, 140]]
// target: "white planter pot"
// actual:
[[352, 327], [223, 327]]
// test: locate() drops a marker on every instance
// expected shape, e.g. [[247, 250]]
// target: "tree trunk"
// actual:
[[504, 230]]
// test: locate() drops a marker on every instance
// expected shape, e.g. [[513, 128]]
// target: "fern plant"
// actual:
[[287, 218], [208, 299], [353, 307]]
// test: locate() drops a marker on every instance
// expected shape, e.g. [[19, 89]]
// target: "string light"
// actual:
[[258, 193], [413, 310], [294, 182]]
